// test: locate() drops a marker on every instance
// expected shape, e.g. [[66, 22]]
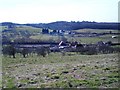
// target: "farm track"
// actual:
[[55, 70]]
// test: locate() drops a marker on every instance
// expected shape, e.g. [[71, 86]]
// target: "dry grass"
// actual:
[[55, 70]]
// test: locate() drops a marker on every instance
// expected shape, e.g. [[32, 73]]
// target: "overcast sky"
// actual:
[[45, 11]]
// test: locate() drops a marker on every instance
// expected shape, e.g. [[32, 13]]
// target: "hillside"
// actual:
[[64, 25], [57, 31], [56, 71]]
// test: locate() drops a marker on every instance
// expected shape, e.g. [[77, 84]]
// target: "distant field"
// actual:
[[3, 27], [29, 28], [96, 30], [55, 71], [46, 37], [104, 38], [86, 39]]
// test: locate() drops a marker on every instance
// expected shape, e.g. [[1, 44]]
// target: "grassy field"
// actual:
[[57, 71], [29, 28], [105, 38], [96, 30], [23, 27], [86, 39], [46, 37]]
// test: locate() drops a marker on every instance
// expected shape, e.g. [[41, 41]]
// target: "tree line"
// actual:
[[64, 25], [86, 49]]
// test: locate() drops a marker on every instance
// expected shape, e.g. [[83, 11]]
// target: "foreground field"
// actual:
[[55, 70]]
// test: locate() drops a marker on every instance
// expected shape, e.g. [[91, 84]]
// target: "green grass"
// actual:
[[29, 28], [88, 40], [46, 37], [8, 81], [55, 70], [96, 30], [23, 27], [3, 27]]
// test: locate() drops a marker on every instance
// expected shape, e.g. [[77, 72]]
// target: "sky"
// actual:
[[46, 11]]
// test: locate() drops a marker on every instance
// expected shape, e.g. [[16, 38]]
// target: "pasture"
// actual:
[[79, 38], [87, 40], [97, 30], [57, 71], [24, 28]]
